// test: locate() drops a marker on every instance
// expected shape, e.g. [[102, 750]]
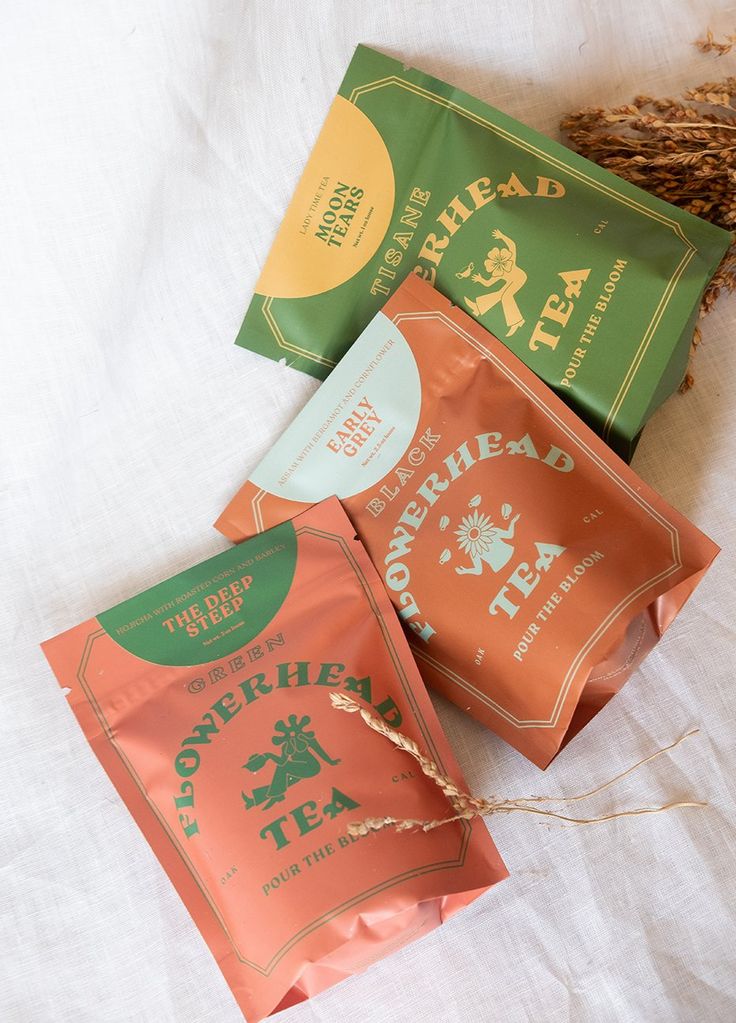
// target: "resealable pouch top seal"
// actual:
[[531, 566], [207, 701], [592, 282]]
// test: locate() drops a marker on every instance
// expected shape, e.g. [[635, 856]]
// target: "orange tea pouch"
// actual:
[[533, 568], [207, 701]]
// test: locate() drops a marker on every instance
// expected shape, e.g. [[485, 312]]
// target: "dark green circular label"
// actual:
[[211, 610]]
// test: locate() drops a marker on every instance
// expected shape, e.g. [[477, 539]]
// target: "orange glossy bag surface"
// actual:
[[532, 568], [206, 699]]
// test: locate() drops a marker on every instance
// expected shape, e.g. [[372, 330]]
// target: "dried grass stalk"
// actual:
[[466, 806], [711, 45], [682, 150]]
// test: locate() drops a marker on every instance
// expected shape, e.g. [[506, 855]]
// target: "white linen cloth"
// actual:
[[149, 149]]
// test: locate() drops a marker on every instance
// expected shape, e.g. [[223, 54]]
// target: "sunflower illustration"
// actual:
[[500, 261], [476, 534]]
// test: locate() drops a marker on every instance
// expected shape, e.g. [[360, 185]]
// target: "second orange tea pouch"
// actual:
[[532, 568]]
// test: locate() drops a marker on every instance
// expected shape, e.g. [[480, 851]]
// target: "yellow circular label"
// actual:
[[340, 211]]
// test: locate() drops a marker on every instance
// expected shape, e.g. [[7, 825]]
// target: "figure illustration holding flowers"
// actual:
[[301, 756], [503, 270]]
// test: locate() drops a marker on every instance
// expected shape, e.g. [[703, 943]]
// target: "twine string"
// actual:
[[467, 806]]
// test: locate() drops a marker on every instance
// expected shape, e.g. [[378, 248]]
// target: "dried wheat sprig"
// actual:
[[682, 150], [711, 45], [467, 806]]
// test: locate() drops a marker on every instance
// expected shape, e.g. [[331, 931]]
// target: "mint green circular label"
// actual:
[[211, 610], [357, 427]]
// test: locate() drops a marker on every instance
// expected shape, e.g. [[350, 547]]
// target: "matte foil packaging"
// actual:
[[592, 282], [206, 699], [532, 568]]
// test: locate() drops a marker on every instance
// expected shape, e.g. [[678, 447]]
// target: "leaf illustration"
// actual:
[[444, 522], [474, 501], [445, 556], [506, 510]]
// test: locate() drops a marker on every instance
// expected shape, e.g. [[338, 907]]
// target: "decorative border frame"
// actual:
[[288, 345], [465, 827], [612, 193], [588, 180], [623, 604]]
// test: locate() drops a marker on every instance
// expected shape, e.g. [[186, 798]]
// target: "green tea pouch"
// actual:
[[592, 282]]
